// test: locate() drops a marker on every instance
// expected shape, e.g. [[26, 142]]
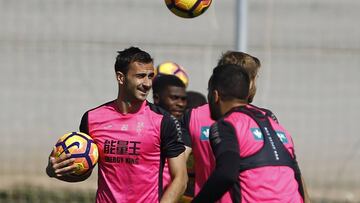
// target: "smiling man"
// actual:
[[134, 138]]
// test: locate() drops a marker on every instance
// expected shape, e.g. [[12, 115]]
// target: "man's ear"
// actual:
[[216, 96], [252, 91], [120, 77], [252, 84], [156, 98]]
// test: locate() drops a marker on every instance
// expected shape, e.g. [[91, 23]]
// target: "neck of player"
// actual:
[[227, 105], [126, 105]]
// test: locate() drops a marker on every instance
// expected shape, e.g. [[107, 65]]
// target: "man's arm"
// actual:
[[185, 135], [176, 189], [221, 179], [225, 146], [306, 194], [172, 147]]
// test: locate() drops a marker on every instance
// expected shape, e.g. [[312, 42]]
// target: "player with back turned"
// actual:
[[134, 138], [197, 121], [254, 155]]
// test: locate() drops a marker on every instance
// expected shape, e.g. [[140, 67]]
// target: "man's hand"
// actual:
[[62, 168]]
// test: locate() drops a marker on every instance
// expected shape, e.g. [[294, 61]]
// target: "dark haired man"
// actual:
[[169, 92], [254, 155], [197, 121], [134, 139]]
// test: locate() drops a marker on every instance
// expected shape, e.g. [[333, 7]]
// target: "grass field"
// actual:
[[31, 194], [41, 189]]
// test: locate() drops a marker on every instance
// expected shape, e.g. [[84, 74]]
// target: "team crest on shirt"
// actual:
[[204, 134], [256, 132], [282, 137]]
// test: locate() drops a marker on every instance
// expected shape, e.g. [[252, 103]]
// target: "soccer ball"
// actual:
[[171, 68], [188, 8], [81, 147]]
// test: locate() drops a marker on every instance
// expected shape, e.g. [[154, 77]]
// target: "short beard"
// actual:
[[214, 111]]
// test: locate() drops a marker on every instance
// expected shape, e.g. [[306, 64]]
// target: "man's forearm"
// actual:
[[179, 178], [220, 180], [175, 190]]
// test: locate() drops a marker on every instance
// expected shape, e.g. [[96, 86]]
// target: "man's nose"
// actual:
[[147, 83], [182, 103]]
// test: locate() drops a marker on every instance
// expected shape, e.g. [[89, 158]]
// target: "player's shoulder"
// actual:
[[168, 121], [202, 108], [98, 110], [95, 114], [266, 111], [200, 112], [219, 129], [197, 114], [103, 106], [157, 110], [161, 113], [223, 122]]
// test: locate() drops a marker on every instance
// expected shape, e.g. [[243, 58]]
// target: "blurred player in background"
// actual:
[[195, 99], [198, 121], [134, 138], [255, 158], [169, 92]]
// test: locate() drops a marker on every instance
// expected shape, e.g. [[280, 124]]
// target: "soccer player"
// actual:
[[197, 121], [169, 92], [134, 138], [254, 155]]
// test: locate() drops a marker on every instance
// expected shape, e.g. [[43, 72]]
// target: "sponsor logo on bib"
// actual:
[[204, 134]]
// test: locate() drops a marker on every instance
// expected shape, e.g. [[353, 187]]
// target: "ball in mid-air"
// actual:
[[188, 8], [81, 147], [171, 68]]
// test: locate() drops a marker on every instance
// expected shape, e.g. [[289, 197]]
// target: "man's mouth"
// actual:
[[143, 91], [177, 113]]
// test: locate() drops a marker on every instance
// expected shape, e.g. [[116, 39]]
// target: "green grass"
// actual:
[[31, 194]]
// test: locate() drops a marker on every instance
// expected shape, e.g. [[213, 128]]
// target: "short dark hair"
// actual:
[[231, 81], [130, 55], [195, 99], [161, 81]]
